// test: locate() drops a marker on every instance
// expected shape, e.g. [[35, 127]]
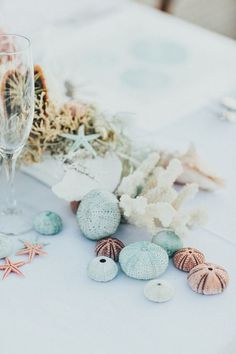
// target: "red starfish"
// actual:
[[9, 267], [32, 250]]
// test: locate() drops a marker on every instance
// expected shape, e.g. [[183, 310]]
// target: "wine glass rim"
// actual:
[[12, 52]]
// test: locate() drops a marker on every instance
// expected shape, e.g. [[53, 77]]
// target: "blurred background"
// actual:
[[152, 58], [216, 15]]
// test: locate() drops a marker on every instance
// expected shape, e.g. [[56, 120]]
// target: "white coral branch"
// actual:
[[198, 217], [133, 205], [169, 176], [159, 205], [130, 184], [157, 194], [164, 212], [187, 192]]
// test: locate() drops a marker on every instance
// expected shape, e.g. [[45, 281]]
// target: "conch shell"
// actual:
[[194, 170]]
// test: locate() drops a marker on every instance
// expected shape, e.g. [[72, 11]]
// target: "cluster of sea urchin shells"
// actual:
[[203, 278]]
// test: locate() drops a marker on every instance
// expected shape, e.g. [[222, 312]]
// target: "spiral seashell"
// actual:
[[109, 247], [208, 279], [187, 258]]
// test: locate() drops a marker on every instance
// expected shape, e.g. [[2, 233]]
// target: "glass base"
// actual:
[[16, 221]]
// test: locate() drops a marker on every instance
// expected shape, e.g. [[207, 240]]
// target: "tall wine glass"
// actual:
[[16, 117]]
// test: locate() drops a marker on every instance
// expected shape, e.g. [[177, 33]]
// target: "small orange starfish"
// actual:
[[9, 267], [32, 250]]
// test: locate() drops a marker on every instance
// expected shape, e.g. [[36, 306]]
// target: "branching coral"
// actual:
[[158, 205], [135, 182]]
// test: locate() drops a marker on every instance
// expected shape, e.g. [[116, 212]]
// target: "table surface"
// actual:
[[138, 60], [56, 309]]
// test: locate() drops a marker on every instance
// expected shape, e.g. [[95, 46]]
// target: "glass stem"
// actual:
[[10, 166]]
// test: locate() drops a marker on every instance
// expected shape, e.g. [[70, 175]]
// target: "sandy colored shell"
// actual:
[[208, 279], [109, 247], [158, 290], [187, 258]]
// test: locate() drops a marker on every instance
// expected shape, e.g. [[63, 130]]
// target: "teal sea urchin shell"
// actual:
[[98, 214], [168, 240], [48, 223], [102, 269], [143, 260]]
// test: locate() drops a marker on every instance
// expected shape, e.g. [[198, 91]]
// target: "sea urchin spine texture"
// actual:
[[98, 214], [48, 223], [208, 279], [143, 260], [187, 258], [109, 247]]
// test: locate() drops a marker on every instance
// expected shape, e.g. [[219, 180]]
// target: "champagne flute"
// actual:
[[16, 117]]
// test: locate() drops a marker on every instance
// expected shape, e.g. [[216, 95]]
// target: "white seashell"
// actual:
[[6, 246], [158, 290], [101, 173], [102, 269]]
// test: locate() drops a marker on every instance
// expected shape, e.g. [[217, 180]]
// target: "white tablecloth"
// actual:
[[56, 309]]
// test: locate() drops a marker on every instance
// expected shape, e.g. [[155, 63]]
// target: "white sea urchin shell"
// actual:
[[158, 290]]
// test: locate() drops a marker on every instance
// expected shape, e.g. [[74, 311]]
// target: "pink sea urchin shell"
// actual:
[[208, 279], [187, 258], [109, 247]]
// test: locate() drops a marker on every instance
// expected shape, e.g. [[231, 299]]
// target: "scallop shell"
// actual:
[[208, 279], [143, 260], [109, 247], [101, 173], [158, 290], [187, 258], [102, 269], [98, 214], [168, 240]]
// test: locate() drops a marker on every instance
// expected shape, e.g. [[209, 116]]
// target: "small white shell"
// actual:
[[6, 246], [101, 173], [158, 290], [102, 269]]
